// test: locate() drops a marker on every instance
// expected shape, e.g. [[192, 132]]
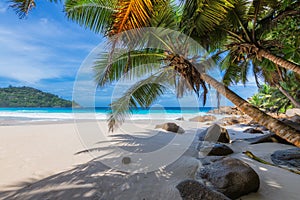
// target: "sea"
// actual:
[[99, 113]]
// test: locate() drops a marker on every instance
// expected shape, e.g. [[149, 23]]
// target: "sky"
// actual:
[[45, 51]]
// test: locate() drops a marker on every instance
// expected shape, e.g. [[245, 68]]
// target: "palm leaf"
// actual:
[[93, 14], [130, 65], [23, 7], [203, 16], [132, 14], [142, 93]]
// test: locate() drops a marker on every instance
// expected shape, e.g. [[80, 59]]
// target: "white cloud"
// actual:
[[42, 49], [3, 7], [24, 60]]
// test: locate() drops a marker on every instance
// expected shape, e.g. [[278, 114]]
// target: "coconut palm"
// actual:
[[174, 67], [246, 31], [279, 36], [114, 17]]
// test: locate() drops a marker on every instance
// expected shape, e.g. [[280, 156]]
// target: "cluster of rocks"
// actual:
[[222, 177], [204, 118], [219, 177], [226, 110]]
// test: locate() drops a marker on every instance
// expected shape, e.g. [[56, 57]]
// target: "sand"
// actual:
[[40, 162]]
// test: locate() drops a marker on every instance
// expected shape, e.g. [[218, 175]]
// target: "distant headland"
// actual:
[[31, 97]]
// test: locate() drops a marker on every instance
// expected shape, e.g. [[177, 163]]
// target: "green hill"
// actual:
[[30, 97]]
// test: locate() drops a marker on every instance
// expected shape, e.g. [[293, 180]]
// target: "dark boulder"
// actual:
[[220, 150], [215, 133], [230, 176], [288, 157], [194, 190]]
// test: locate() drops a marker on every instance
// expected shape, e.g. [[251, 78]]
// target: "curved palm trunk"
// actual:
[[283, 91], [279, 128], [279, 61]]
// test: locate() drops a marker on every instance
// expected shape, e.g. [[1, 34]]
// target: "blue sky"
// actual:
[[45, 51]]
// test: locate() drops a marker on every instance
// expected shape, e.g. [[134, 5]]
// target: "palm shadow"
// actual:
[[95, 180]]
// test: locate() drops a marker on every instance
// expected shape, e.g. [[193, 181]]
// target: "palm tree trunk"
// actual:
[[285, 93], [279, 128], [279, 61]]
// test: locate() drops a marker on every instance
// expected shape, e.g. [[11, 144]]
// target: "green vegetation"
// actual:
[[30, 97], [272, 99]]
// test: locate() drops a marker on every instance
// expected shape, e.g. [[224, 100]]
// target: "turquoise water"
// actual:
[[106, 110], [43, 114]]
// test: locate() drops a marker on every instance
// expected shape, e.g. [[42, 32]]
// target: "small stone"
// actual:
[[126, 160], [253, 130], [171, 127], [180, 119]]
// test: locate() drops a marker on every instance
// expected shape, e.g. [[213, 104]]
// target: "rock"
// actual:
[[126, 160], [215, 133], [244, 119], [230, 120], [216, 150], [293, 112], [204, 118], [180, 119], [253, 130], [230, 176], [226, 110], [288, 157], [271, 137], [194, 190], [171, 127]]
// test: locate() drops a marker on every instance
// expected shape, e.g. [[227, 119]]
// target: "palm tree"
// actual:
[[245, 30], [114, 17], [184, 74]]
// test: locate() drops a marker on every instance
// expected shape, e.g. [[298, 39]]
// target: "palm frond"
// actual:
[[134, 64], [165, 15], [23, 7], [93, 14], [203, 16], [132, 14], [142, 93]]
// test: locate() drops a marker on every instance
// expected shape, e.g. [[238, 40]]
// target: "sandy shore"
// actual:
[[40, 162]]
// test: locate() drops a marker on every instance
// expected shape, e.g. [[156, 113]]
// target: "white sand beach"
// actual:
[[40, 162]]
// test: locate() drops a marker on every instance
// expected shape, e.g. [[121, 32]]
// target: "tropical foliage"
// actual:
[[30, 97], [23, 7], [251, 32], [272, 99]]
